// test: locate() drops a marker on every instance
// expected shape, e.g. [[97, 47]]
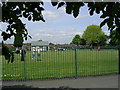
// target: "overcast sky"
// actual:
[[59, 27]]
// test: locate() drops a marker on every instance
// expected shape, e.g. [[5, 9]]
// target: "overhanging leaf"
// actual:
[[103, 23], [54, 2], [105, 14], [91, 11], [117, 22], [29, 36], [60, 4], [76, 8], [69, 8]]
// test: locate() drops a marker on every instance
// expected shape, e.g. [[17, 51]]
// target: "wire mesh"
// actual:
[[61, 62]]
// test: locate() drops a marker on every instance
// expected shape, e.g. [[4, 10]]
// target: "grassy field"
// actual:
[[57, 64]]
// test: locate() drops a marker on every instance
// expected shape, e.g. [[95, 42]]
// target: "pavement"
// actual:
[[107, 81]]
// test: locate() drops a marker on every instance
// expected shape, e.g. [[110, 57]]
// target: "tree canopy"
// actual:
[[76, 40], [114, 38], [13, 11], [94, 35], [32, 11]]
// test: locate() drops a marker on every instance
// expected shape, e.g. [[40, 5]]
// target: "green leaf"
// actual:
[[105, 14], [97, 11], [60, 4], [112, 27], [10, 21], [29, 18], [25, 38], [25, 15], [29, 36], [90, 4], [5, 36], [110, 23], [69, 8], [18, 41], [54, 2], [75, 11], [91, 11], [40, 9], [117, 22], [41, 2], [6, 52], [104, 22], [76, 8]]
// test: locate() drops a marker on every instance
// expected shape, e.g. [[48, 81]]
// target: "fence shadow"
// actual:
[[60, 88]]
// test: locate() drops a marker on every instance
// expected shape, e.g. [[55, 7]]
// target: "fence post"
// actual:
[[23, 52], [119, 58], [76, 63], [24, 70]]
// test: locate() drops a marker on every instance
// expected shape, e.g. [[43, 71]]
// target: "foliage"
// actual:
[[110, 11], [7, 53], [51, 43], [114, 37], [82, 41], [39, 40], [76, 40], [94, 35], [12, 14], [102, 39], [14, 11], [27, 44]]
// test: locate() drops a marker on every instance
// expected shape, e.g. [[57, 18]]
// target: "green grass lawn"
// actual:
[[57, 64]]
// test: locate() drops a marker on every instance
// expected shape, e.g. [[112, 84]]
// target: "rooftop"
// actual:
[[39, 43]]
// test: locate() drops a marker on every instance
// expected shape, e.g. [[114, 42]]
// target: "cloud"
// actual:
[[50, 14], [107, 32], [62, 10], [82, 16], [55, 36]]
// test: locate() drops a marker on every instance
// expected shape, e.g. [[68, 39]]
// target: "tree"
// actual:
[[94, 35], [114, 38], [82, 41], [39, 40], [102, 39], [76, 40], [51, 43], [110, 10], [13, 11]]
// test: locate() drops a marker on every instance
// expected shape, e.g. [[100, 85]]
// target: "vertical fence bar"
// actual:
[[23, 59], [24, 70], [75, 63], [119, 59]]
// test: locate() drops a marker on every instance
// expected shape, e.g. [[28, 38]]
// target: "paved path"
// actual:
[[108, 81]]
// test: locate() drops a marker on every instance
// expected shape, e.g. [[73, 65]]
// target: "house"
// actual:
[[42, 45]]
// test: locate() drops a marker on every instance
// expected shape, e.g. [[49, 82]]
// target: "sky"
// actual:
[[59, 27]]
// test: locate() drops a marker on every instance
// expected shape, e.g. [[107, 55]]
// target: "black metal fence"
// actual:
[[60, 62]]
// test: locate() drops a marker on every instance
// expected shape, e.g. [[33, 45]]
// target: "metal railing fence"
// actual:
[[61, 62]]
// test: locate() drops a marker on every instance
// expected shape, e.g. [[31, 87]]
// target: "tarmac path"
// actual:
[[107, 81]]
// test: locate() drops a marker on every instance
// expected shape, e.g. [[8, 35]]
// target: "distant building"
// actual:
[[9, 45], [42, 45]]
